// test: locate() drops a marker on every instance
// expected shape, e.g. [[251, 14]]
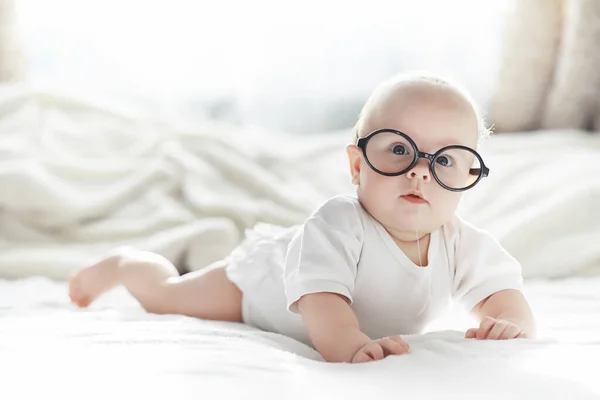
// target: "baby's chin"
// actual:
[[412, 223], [412, 230]]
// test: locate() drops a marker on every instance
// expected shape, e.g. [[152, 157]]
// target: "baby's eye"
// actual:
[[399, 149], [444, 161]]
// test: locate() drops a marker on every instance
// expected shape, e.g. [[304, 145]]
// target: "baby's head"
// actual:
[[433, 114]]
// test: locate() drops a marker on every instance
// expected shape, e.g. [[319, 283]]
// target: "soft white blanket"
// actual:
[[79, 177], [115, 350]]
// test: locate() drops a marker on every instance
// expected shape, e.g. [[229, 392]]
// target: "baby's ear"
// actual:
[[354, 158]]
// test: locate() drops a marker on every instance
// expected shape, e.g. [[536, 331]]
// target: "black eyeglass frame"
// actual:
[[362, 144]]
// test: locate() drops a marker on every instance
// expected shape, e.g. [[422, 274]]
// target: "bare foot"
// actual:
[[90, 282]]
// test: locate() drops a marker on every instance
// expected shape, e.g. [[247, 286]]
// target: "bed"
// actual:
[[78, 177], [116, 350]]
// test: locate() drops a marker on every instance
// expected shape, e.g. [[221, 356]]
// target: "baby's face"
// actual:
[[433, 117]]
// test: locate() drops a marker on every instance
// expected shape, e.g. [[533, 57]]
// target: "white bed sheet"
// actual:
[[115, 350]]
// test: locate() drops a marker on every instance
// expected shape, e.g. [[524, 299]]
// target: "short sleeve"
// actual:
[[482, 266], [324, 253]]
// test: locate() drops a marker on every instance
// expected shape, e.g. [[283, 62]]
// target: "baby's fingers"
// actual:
[[512, 331], [370, 352], [375, 351], [485, 327], [391, 346], [402, 342], [361, 357], [471, 333], [497, 330]]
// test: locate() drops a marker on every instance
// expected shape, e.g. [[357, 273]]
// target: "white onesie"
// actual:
[[342, 249]]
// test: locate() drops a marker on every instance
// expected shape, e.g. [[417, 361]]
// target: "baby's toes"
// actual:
[[77, 294]]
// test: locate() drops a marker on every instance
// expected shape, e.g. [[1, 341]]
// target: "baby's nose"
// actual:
[[421, 170]]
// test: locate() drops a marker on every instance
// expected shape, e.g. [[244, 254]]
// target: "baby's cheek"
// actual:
[[386, 188], [445, 205], [376, 190], [372, 181]]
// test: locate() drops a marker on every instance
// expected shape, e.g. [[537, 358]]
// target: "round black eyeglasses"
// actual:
[[391, 153]]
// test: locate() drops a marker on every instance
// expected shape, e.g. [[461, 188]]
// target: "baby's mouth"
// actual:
[[413, 198]]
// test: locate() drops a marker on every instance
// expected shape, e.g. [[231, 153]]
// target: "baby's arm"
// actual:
[[320, 271], [504, 315], [489, 283], [335, 333], [332, 326]]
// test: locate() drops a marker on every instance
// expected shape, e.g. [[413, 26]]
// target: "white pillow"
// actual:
[[541, 200]]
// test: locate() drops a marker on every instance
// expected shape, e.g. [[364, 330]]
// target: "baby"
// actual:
[[361, 270]]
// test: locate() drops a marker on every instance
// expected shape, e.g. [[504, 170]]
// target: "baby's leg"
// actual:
[[155, 283]]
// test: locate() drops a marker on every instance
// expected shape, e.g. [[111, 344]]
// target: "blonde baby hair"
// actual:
[[390, 85]]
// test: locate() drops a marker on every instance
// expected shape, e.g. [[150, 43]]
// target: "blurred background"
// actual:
[[300, 67], [176, 125]]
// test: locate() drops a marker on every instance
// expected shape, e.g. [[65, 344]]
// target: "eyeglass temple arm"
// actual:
[[475, 171]]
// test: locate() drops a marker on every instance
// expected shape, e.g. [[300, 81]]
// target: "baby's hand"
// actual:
[[381, 348], [495, 329]]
